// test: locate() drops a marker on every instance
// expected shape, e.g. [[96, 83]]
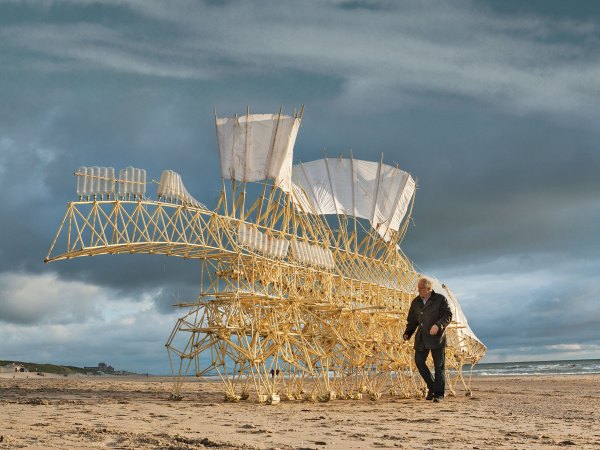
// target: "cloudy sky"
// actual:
[[492, 105]]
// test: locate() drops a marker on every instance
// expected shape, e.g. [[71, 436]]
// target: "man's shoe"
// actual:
[[438, 398], [429, 396]]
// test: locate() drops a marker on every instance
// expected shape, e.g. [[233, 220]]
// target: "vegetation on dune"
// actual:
[[46, 368]]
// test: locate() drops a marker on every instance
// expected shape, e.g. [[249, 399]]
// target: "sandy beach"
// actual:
[[535, 412]]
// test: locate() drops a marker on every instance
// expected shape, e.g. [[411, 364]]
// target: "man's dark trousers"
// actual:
[[435, 386]]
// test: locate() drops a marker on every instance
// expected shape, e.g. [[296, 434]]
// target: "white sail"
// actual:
[[256, 147], [463, 329], [373, 191]]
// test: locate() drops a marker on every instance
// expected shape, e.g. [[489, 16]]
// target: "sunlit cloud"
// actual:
[[74, 323], [45, 298], [567, 347]]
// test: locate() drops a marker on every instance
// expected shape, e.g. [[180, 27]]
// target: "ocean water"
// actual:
[[565, 367]]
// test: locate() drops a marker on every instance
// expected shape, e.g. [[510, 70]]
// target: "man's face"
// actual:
[[424, 292]]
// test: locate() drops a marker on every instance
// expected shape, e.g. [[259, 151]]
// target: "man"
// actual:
[[429, 315]]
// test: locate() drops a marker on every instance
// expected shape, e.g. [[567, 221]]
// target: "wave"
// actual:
[[568, 367]]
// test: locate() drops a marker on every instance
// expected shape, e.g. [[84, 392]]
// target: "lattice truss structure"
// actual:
[[304, 289]]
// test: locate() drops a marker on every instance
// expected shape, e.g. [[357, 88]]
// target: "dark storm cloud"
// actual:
[[493, 109], [499, 185], [540, 305]]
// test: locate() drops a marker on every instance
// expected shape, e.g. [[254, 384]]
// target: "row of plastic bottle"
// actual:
[[256, 240], [170, 187], [101, 182], [304, 252], [313, 254]]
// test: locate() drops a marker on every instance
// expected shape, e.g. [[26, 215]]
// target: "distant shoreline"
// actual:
[[570, 367], [34, 375]]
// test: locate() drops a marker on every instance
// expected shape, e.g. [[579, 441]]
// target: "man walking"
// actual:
[[429, 315]]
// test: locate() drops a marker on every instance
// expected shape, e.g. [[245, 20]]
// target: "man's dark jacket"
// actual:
[[423, 317]]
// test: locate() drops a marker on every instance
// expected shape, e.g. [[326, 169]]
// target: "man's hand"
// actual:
[[434, 330]]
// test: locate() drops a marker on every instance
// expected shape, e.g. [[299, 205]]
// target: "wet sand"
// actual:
[[537, 412]]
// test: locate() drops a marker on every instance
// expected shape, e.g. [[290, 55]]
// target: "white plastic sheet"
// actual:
[[370, 190], [463, 328], [256, 147]]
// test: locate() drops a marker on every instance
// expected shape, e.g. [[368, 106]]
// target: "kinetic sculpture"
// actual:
[[304, 289]]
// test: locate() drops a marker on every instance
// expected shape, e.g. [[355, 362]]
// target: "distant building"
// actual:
[[11, 368], [101, 368]]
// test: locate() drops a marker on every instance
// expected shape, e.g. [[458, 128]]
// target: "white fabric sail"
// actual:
[[463, 328], [256, 147], [373, 191]]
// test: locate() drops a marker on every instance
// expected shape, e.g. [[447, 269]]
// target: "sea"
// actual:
[[563, 367]]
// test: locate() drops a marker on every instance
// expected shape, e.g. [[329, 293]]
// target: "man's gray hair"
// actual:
[[426, 282]]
